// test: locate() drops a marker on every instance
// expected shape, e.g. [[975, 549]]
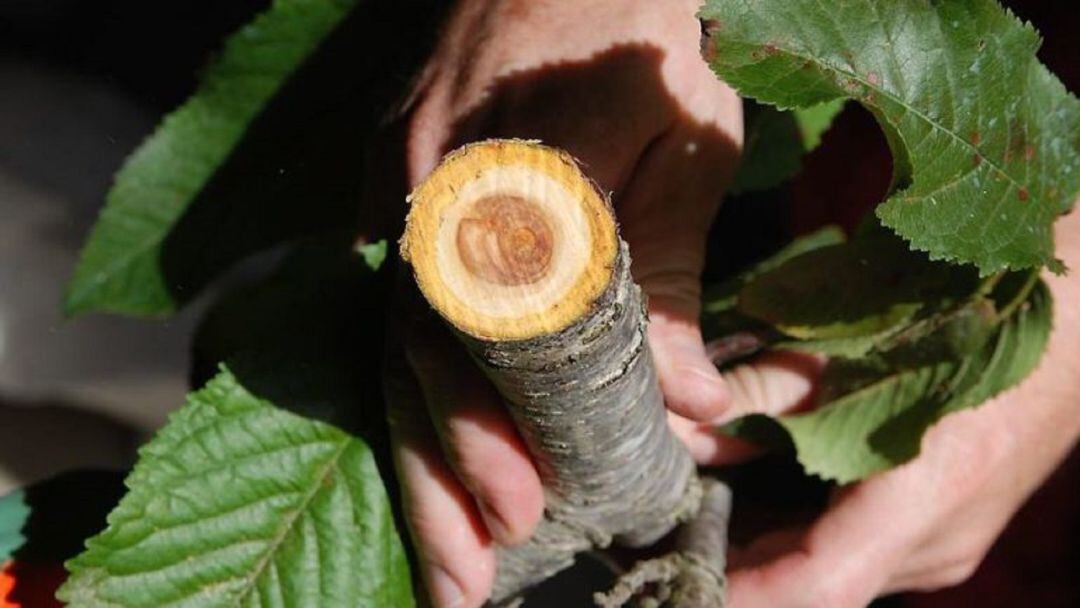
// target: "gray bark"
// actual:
[[587, 403], [693, 575]]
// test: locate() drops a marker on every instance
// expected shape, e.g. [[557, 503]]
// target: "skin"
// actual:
[[928, 524], [652, 126], [621, 85]]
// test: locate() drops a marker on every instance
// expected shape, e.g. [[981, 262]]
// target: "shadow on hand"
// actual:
[[609, 111], [592, 108]]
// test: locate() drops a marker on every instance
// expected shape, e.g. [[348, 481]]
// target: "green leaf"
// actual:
[[1017, 351], [722, 297], [985, 141], [942, 330], [862, 288], [815, 120], [303, 336], [720, 320], [851, 347], [776, 141], [772, 149], [837, 441], [872, 414], [13, 515], [238, 503], [950, 333], [374, 254], [121, 269]]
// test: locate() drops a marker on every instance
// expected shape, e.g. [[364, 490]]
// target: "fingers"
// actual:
[[775, 383], [708, 445], [456, 556], [467, 480], [667, 186], [665, 211], [778, 382], [478, 436], [690, 383], [667, 161], [920, 526], [604, 112]]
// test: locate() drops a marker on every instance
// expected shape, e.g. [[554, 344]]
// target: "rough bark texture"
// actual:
[[519, 252], [587, 402], [693, 575]]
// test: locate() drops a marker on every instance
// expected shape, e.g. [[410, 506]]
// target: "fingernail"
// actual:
[[444, 590]]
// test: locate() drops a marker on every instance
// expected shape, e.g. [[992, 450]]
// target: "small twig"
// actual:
[[1020, 297]]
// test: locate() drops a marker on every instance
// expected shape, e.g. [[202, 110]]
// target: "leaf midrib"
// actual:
[[291, 520], [893, 97], [77, 299]]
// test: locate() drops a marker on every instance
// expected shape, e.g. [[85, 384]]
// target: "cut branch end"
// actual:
[[509, 240]]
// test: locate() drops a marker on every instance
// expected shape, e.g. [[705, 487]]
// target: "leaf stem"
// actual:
[[1020, 297]]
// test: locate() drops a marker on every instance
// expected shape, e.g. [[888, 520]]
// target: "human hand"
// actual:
[[923, 526], [928, 524], [621, 85]]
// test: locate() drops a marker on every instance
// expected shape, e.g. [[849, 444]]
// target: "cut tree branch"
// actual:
[[518, 251]]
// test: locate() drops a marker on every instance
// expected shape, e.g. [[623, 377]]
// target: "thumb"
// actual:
[[775, 383], [665, 211]]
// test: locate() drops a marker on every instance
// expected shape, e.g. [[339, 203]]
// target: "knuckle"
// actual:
[[953, 571], [964, 565], [842, 587], [949, 576], [517, 499], [465, 446], [832, 595], [476, 585], [960, 573], [424, 527], [474, 581]]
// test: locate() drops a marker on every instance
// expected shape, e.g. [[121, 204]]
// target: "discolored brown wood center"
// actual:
[[506, 240]]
